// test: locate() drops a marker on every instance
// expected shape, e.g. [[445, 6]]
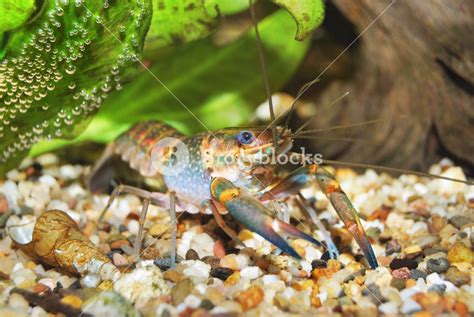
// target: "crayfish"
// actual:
[[227, 170]]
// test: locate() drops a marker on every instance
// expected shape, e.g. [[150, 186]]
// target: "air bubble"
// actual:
[[70, 69], [106, 87]]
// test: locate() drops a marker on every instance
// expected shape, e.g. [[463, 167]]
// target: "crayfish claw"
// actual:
[[255, 216]]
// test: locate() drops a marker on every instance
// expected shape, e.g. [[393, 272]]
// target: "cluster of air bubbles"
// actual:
[[45, 63]]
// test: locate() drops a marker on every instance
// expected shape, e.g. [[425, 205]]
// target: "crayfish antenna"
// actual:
[[395, 170], [261, 57]]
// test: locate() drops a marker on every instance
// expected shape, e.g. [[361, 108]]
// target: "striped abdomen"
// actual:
[[135, 145]]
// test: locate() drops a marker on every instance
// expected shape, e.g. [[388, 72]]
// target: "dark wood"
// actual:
[[414, 70]]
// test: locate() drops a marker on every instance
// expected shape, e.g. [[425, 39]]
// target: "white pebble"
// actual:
[[270, 278], [69, 172], [410, 306], [133, 226], [418, 226], [49, 282], [38, 312], [306, 265], [312, 253], [95, 239], [203, 244], [192, 301], [242, 261], [142, 284], [90, 280], [47, 159], [329, 286], [197, 269], [75, 190], [22, 275], [18, 302], [380, 276], [251, 272]]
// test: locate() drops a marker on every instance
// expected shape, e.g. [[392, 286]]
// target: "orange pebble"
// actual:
[[422, 314], [40, 288], [232, 279], [461, 309], [31, 265], [410, 283], [250, 298]]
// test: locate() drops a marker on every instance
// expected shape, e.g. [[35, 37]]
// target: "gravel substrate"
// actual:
[[421, 231]]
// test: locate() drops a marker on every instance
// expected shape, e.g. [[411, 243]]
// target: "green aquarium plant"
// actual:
[[74, 70]]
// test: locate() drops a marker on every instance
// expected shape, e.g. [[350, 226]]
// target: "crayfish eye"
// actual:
[[245, 137]]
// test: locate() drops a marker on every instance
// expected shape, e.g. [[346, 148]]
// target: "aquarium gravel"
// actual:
[[420, 229]]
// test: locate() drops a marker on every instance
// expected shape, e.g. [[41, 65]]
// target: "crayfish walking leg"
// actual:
[[302, 177], [156, 198]]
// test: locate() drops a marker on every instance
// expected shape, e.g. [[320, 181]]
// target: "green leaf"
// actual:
[[178, 22], [228, 7], [220, 85], [59, 68], [308, 14], [14, 13]]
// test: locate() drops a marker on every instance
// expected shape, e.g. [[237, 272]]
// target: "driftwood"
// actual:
[[414, 70]]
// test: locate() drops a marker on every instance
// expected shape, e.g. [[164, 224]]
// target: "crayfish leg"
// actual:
[[304, 204], [156, 198], [221, 223], [303, 177], [346, 211], [255, 216]]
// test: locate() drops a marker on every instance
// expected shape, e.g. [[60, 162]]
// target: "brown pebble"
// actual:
[[192, 255], [457, 277], [119, 260], [398, 283], [218, 249], [150, 253], [115, 245], [470, 203], [250, 298], [182, 289], [222, 273], [437, 223], [173, 276], [200, 312], [104, 248], [380, 213], [212, 261], [262, 263], [103, 236]]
